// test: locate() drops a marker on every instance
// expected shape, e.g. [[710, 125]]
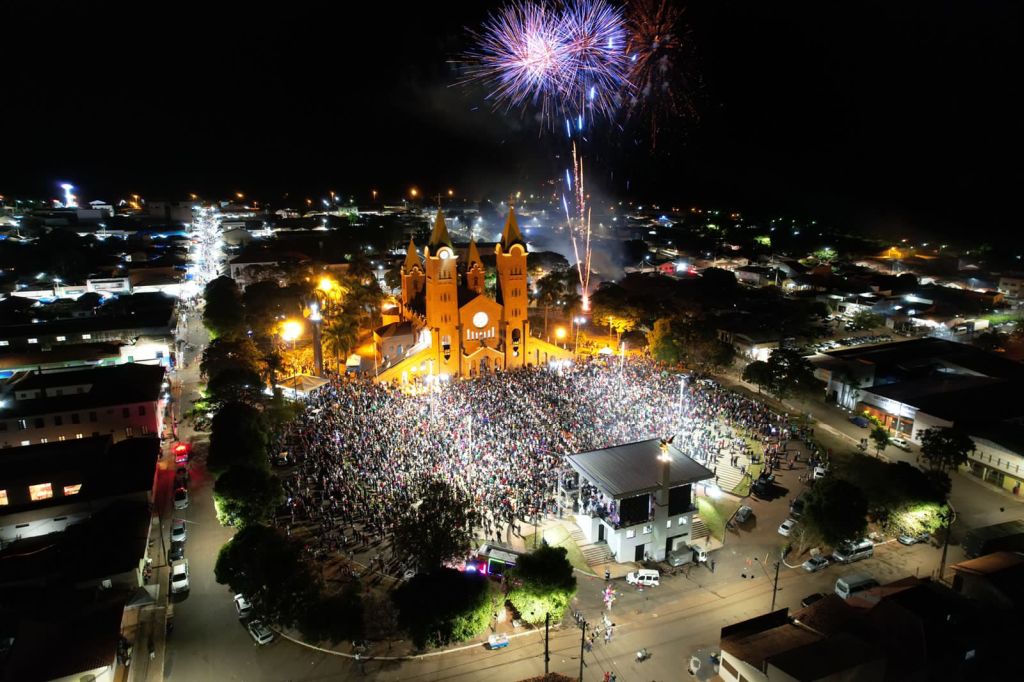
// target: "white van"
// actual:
[[854, 583], [645, 577], [853, 550]]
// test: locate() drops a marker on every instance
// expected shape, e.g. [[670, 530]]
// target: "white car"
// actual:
[[815, 564], [242, 606], [178, 531], [900, 443], [819, 472], [260, 633], [179, 576], [786, 527]]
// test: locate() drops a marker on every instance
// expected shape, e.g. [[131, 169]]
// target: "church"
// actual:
[[447, 326]]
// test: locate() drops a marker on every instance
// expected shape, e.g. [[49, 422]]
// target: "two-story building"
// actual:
[[122, 401], [639, 498]]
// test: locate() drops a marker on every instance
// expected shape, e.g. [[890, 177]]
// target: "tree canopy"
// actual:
[[946, 449], [542, 583], [238, 437], [267, 567], [244, 495], [880, 437], [837, 509], [688, 340], [222, 310], [438, 528], [444, 606]]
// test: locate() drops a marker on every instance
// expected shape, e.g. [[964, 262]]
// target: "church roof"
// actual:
[[439, 237], [511, 234], [412, 257], [473, 256]]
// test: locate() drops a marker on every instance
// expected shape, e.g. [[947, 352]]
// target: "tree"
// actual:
[[550, 290], [380, 617], [235, 384], [244, 495], [825, 255], [758, 373], [542, 583], [438, 528], [865, 319], [227, 353], [393, 278], [880, 437], [238, 437], [946, 449], [791, 373], [662, 341], [333, 617], [267, 567], [339, 336], [222, 310], [836, 509], [444, 606]]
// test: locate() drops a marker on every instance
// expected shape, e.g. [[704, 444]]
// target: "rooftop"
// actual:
[[958, 398], [917, 353], [634, 468], [36, 393]]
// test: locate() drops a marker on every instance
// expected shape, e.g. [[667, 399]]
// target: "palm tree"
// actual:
[[339, 336], [550, 290]]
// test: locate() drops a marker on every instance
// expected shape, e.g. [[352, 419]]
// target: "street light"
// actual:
[[291, 330], [560, 333]]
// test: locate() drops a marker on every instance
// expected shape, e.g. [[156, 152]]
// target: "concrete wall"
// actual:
[[749, 672]]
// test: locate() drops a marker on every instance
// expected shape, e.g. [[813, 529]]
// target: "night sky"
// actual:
[[873, 115]]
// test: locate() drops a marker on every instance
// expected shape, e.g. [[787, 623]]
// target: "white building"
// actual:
[[639, 498]]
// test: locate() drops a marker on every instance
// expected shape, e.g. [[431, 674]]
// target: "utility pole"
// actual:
[[547, 624], [945, 540], [775, 586]]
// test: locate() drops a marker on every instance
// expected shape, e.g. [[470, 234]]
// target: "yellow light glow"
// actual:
[[414, 192], [451, 193], [560, 333], [291, 330], [239, 195], [326, 284]]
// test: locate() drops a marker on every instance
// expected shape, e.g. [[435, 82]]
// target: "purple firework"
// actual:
[[569, 60], [522, 56]]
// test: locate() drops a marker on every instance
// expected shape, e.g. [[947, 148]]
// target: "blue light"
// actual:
[[593, 91], [568, 181], [579, 122], [568, 128]]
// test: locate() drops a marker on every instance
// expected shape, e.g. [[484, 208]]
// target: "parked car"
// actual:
[[819, 472], [177, 551], [242, 606], [907, 539], [179, 576], [180, 498], [786, 527], [645, 577], [815, 564], [811, 598], [901, 443], [259, 632], [178, 532], [860, 421], [743, 514]]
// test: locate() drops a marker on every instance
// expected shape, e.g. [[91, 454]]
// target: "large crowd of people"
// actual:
[[363, 450]]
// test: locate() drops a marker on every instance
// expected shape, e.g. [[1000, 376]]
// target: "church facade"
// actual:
[[456, 329]]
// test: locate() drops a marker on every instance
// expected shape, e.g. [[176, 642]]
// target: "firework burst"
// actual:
[[658, 54], [568, 60]]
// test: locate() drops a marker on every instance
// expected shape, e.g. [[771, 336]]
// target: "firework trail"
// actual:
[[579, 225]]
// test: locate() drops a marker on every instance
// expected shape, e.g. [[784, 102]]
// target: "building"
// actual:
[[639, 498], [752, 345], [122, 401], [848, 372], [46, 488], [1011, 285], [911, 629], [155, 325], [458, 330], [995, 579]]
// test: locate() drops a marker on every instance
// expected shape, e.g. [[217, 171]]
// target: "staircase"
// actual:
[[597, 553]]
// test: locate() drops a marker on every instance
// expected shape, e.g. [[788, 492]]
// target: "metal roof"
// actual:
[[633, 468]]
